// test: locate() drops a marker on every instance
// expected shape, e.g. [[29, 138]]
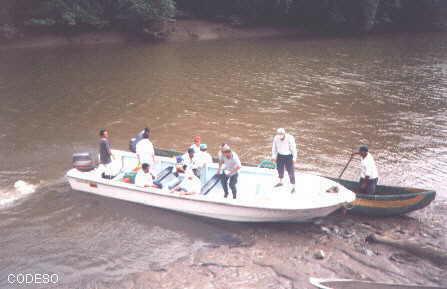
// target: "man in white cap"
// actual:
[[284, 153]]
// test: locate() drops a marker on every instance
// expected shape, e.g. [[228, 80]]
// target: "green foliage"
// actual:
[[96, 14], [328, 15], [145, 16]]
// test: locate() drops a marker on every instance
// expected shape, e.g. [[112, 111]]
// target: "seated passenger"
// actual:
[[196, 144], [204, 156], [191, 160], [190, 185], [144, 178], [179, 174]]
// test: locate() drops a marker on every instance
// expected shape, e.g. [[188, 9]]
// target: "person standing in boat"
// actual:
[[145, 150], [105, 153], [137, 138], [369, 175], [284, 154], [231, 164]]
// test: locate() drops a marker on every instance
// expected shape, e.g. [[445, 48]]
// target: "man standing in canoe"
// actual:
[[231, 163], [368, 171], [284, 153]]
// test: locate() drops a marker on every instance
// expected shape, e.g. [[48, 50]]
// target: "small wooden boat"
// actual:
[[257, 201], [388, 201], [353, 284]]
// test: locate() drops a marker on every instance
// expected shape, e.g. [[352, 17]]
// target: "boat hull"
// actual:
[[389, 201], [220, 211]]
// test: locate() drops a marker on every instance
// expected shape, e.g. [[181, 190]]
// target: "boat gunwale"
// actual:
[[157, 191], [405, 192]]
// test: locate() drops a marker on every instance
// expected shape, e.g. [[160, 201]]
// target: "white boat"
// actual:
[[257, 199]]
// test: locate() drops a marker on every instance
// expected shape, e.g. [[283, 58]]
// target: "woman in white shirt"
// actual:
[[368, 172]]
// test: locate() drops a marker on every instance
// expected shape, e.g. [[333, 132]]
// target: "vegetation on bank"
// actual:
[[146, 17]]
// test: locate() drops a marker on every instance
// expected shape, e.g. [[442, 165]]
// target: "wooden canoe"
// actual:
[[354, 284], [388, 200]]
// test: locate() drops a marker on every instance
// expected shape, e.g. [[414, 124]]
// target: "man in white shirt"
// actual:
[[369, 175], [145, 150], [231, 164], [203, 156], [284, 153], [144, 178], [191, 160]]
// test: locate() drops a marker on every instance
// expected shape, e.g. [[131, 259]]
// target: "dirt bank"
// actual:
[[283, 255], [180, 30]]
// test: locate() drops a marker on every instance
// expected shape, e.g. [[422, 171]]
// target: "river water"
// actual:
[[332, 94]]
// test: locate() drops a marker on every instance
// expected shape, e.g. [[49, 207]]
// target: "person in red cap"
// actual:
[[197, 140]]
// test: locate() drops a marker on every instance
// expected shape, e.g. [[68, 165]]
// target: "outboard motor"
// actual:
[[83, 162], [133, 145]]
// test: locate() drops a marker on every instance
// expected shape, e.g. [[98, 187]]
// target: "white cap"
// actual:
[[226, 148], [280, 131]]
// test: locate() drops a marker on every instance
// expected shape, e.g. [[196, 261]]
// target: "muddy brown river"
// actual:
[[332, 94]]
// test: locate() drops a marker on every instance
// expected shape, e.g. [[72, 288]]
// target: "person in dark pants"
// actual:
[[284, 153], [105, 153], [369, 175], [231, 163]]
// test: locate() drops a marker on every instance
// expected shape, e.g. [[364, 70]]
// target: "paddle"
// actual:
[[343, 171], [210, 184]]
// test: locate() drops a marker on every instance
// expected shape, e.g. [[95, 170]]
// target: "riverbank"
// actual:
[[286, 255], [177, 31]]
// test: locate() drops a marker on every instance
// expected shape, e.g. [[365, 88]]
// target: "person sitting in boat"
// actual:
[[231, 166], [204, 157], [196, 143], [144, 178], [191, 160], [145, 150], [179, 173], [105, 154], [284, 153], [137, 138], [190, 185], [369, 175]]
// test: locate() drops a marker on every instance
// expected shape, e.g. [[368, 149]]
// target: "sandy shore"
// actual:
[[283, 255], [180, 30]]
